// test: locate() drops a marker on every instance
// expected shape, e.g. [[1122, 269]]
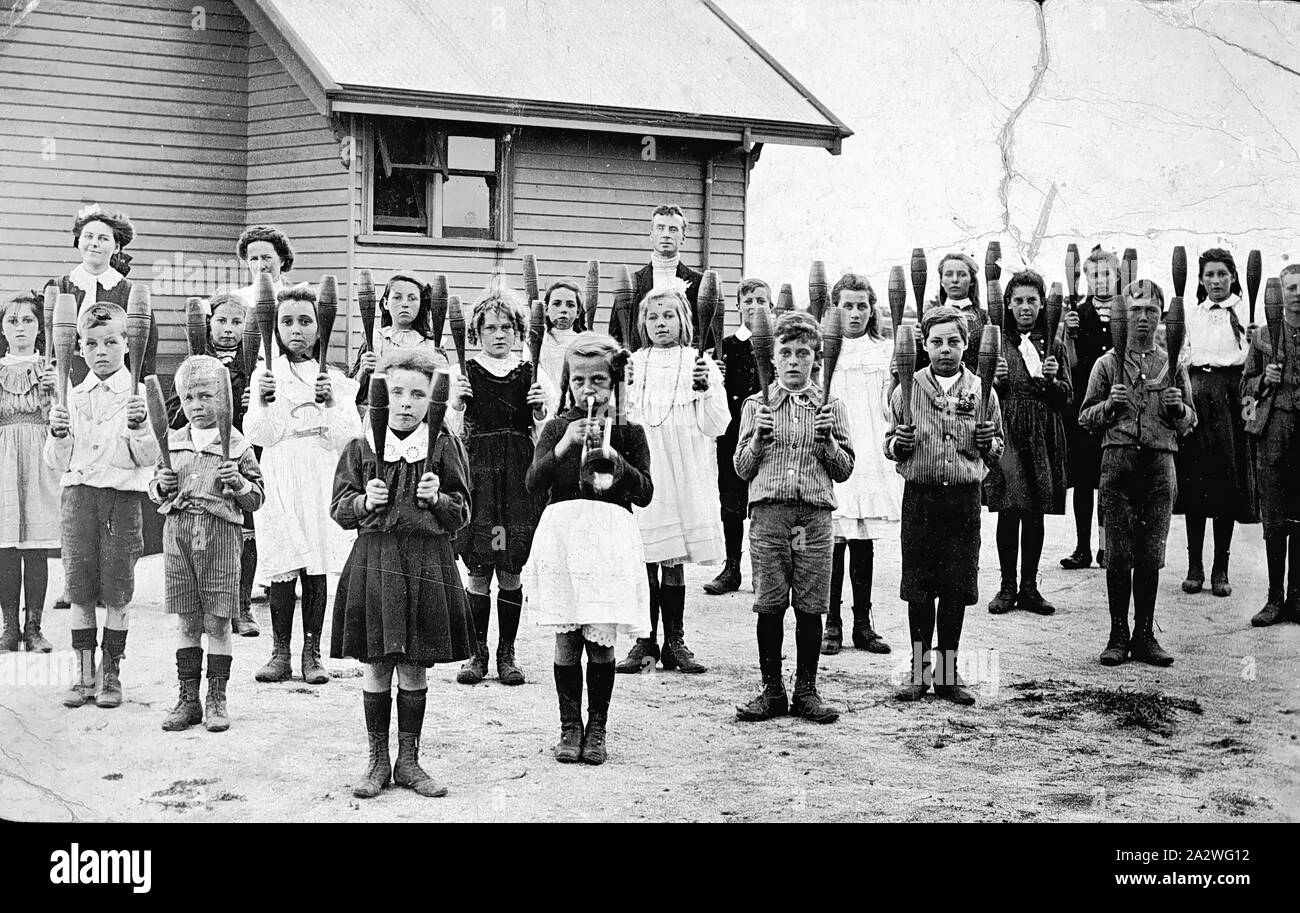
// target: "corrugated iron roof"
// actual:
[[678, 59]]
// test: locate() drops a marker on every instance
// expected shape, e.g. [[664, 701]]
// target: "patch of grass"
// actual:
[[1153, 710]]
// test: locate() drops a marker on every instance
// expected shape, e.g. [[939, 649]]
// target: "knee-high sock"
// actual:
[[920, 623], [733, 534], [808, 645], [1008, 538], [1119, 587], [11, 578], [410, 710], [1275, 551], [378, 709], [247, 570], [283, 599], [862, 566], [313, 603], [652, 574], [1031, 547], [510, 606], [480, 610], [36, 582], [1223, 527], [1146, 583], [1293, 584], [771, 634], [1195, 538], [837, 584], [1083, 503]]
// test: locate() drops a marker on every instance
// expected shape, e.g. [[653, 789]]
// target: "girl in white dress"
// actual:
[[30, 495], [587, 568], [301, 440], [565, 319], [679, 399], [870, 502], [405, 322]]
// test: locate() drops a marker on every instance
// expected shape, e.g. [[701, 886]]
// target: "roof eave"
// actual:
[[530, 112]]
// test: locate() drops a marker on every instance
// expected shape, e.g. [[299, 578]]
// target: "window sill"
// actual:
[[397, 240]]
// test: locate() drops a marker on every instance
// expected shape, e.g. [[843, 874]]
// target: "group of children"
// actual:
[[591, 482]]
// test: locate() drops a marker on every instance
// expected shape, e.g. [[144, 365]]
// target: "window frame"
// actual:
[[501, 211]]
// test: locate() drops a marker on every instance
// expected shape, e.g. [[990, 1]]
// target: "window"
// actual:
[[430, 179]]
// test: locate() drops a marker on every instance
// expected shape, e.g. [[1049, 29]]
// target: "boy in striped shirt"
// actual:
[[943, 456], [793, 446]]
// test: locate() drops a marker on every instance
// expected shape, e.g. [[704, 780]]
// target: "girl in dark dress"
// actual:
[[101, 239], [504, 410], [1089, 325], [1029, 479], [400, 602], [1215, 472]]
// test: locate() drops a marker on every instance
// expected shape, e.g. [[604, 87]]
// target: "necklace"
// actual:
[[642, 406]]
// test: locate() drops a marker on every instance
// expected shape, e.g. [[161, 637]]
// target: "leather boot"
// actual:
[[113, 651], [948, 683], [1219, 584], [277, 668], [727, 581], [82, 692], [643, 655], [313, 673], [1145, 648], [1272, 613], [244, 624], [568, 688], [772, 701], [833, 633], [214, 707], [509, 609], [600, 687], [1117, 646], [32, 636], [1195, 575], [1031, 600], [475, 669], [807, 702], [920, 677], [676, 655], [1005, 600], [188, 711], [12, 638], [408, 772], [1081, 557], [379, 772], [864, 634]]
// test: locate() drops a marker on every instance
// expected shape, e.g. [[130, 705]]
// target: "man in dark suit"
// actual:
[[667, 232]]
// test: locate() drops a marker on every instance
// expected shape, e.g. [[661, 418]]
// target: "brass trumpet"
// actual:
[[598, 465]]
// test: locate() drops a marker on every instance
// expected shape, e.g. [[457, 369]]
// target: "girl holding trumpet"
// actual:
[[400, 604], [587, 569]]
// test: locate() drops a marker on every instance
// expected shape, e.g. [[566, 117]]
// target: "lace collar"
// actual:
[[411, 449]]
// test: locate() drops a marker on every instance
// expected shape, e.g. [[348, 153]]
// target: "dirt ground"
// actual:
[[1042, 744]]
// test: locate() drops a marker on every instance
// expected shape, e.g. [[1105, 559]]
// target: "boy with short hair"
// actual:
[[791, 451], [943, 456], [1141, 413], [204, 499], [740, 378], [102, 444]]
